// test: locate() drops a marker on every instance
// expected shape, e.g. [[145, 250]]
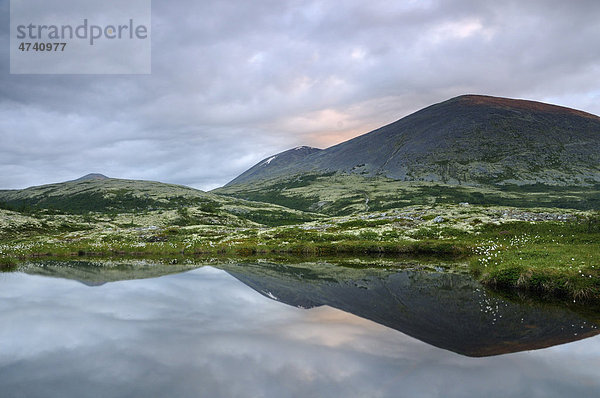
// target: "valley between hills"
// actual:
[[506, 190]]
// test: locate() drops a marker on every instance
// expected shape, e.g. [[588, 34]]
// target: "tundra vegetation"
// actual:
[[537, 239]]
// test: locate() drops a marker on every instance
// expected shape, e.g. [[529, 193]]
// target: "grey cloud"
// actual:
[[233, 82]]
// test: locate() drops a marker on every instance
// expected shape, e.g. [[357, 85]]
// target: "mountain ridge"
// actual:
[[278, 160], [470, 139], [523, 104]]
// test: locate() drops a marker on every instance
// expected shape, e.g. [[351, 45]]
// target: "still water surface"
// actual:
[[215, 333]]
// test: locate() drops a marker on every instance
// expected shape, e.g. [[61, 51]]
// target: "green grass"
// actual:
[[345, 194], [166, 203], [557, 256], [537, 239], [8, 264], [548, 258]]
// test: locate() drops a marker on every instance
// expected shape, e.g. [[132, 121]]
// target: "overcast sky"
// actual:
[[235, 81]]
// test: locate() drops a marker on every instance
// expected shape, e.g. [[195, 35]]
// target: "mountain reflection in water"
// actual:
[[203, 333], [449, 311]]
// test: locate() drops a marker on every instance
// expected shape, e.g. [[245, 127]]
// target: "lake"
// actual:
[[283, 330]]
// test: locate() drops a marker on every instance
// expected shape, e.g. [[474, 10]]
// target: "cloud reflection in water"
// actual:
[[204, 333]]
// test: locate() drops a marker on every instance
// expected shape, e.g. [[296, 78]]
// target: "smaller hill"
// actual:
[[92, 176], [95, 192], [113, 196]]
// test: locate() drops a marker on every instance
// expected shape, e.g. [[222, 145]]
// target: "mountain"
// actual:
[[471, 139], [92, 176], [271, 166], [100, 194], [97, 192]]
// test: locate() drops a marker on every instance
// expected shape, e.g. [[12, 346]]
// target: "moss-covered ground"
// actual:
[[546, 251]]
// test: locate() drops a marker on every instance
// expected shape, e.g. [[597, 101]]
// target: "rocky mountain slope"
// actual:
[[471, 139], [271, 166]]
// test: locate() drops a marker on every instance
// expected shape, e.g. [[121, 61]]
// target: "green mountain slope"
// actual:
[[105, 194], [344, 194], [112, 196]]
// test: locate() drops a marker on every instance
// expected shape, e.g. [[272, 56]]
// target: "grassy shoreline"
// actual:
[[546, 252]]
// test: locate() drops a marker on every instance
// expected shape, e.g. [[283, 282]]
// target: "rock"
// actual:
[[438, 219]]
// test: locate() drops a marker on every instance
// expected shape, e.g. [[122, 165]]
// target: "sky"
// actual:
[[233, 82]]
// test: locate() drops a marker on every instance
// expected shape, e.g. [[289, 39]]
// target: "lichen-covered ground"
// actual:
[[547, 251]]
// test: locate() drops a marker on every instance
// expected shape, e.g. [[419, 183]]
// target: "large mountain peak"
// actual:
[[471, 139]]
